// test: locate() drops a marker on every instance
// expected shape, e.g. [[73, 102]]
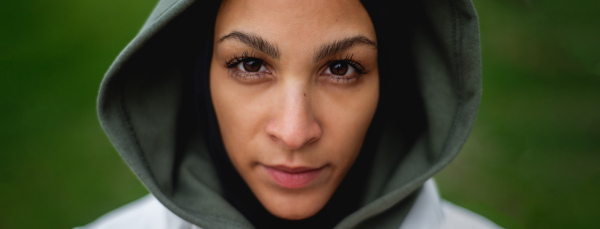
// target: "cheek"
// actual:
[[346, 116], [240, 112]]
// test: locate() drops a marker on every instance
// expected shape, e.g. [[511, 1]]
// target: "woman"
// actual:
[[294, 114]]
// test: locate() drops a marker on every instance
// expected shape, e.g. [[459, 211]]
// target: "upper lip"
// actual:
[[289, 169]]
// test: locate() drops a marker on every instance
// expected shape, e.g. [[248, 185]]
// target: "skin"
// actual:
[[293, 112]]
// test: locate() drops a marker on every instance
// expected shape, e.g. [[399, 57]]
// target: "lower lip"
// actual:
[[293, 180]]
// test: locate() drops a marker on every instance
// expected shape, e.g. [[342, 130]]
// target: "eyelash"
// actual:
[[360, 69], [233, 63], [245, 76]]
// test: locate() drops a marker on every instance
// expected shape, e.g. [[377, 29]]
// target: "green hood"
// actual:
[[429, 48]]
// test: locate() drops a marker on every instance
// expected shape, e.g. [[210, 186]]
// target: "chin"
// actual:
[[295, 205], [294, 213]]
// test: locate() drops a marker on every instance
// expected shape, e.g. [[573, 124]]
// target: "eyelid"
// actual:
[[236, 72], [247, 77], [349, 59], [335, 79]]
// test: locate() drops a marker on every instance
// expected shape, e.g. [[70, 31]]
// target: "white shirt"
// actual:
[[428, 212]]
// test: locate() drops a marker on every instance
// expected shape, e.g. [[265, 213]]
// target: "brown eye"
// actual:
[[252, 65], [339, 68]]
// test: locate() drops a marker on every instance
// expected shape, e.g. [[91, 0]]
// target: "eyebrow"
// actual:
[[253, 41], [324, 51], [339, 46]]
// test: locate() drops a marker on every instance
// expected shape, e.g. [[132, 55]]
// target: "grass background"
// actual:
[[533, 160]]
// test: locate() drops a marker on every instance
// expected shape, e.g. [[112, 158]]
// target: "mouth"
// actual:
[[293, 177]]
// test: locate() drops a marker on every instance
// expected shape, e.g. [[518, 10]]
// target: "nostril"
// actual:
[[294, 140], [274, 138], [311, 141]]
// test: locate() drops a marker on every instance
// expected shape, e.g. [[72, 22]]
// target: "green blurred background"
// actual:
[[533, 160]]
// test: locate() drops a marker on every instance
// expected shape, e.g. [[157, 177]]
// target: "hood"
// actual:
[[429, 61]]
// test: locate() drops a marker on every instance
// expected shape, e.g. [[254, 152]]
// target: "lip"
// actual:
[[293, 177]]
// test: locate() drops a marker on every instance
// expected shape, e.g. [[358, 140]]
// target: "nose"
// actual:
[[294, 124]]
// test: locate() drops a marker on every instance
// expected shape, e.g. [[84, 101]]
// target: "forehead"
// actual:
[[292, 22]]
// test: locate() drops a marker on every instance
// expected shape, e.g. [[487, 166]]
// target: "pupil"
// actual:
[[339, 69], [252, 65]]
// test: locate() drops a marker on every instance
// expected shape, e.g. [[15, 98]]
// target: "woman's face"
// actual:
[[294, 85]]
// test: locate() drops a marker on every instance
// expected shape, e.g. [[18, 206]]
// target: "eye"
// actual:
[[343, 71], [251, 65], [340, 68], [248, 69]]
